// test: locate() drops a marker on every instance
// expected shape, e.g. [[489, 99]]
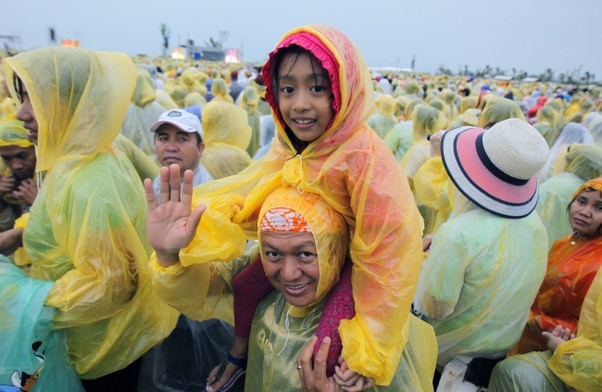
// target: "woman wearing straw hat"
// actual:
[[479, 278]]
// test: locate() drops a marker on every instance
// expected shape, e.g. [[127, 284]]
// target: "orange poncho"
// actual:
[[356, 173]]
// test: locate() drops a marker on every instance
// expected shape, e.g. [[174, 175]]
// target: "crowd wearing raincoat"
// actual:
[[476, 276], [576, 363], [384, 119], [572, 265], [86, 230], [12, 133], [581, 162], [226, 135], [280, 330], [355, 172], [569, 134], [142, 112]]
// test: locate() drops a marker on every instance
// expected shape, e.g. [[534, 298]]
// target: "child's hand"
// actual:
[[171, 225], [557, 336], [349, 380]]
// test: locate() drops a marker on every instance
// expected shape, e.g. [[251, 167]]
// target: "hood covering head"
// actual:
[[328, 227], [144, 92], [353, 94], [12, 133], [79, 98]]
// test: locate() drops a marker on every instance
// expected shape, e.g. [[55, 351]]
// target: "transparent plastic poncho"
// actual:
[[353, 169], [86, 230]]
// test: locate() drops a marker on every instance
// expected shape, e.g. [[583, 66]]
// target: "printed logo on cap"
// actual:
[[174, 113]]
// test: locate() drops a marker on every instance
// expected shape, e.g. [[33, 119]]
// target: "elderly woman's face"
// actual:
[[585, 213], [290, 261]]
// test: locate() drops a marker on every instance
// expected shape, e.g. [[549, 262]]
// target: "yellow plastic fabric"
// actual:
[[86, 230], [226, 134], [426, 121], [384, 119], [399, 139], [576, 363], [193, 99], [145, 166], [431, 184], [499, 109], [583, 162], [353, 169], [479, 280], [547, 123], [12, 133], [142, 113], [165, 100], [220, 90], [273, 353], [249, 102]]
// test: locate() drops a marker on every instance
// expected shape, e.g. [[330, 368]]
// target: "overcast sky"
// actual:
[[530, 35]]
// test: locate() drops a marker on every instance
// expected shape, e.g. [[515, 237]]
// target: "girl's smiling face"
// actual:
[[585, 213], [304, 96]]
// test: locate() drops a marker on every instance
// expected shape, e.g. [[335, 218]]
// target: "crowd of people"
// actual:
[[303, 224]]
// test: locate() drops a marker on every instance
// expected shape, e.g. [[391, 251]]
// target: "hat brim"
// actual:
[[477, 182], [158, 124]]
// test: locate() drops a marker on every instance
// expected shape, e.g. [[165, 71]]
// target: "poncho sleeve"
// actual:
[[208, 286], [386, 250], [578, 362]]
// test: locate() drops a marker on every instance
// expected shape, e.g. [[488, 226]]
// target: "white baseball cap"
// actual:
[[181, 119]]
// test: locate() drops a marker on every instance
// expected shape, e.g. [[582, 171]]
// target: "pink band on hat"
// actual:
[[282, 219], [477, 171]]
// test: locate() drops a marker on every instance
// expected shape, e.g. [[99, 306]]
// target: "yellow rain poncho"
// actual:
[[426, 121], [479, 280], [142, 112], [165, 100], [226, 134], [384, 119], [583, 162], [249, 101], [547, 123], [145, 166], [431, 187], [499, 109], [353, 169], [399, 139], [576, 363], [86, 230], [220, 90], [279, 330]]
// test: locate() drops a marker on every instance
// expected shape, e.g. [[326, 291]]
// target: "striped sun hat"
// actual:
[[496, 168]]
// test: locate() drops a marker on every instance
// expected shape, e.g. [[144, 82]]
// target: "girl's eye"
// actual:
[[287, 90], [318, 89]]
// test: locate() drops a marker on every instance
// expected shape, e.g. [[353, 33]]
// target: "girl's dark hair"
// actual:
[[295, 51]]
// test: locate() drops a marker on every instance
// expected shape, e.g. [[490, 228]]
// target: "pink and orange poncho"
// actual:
[[355, 172]]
